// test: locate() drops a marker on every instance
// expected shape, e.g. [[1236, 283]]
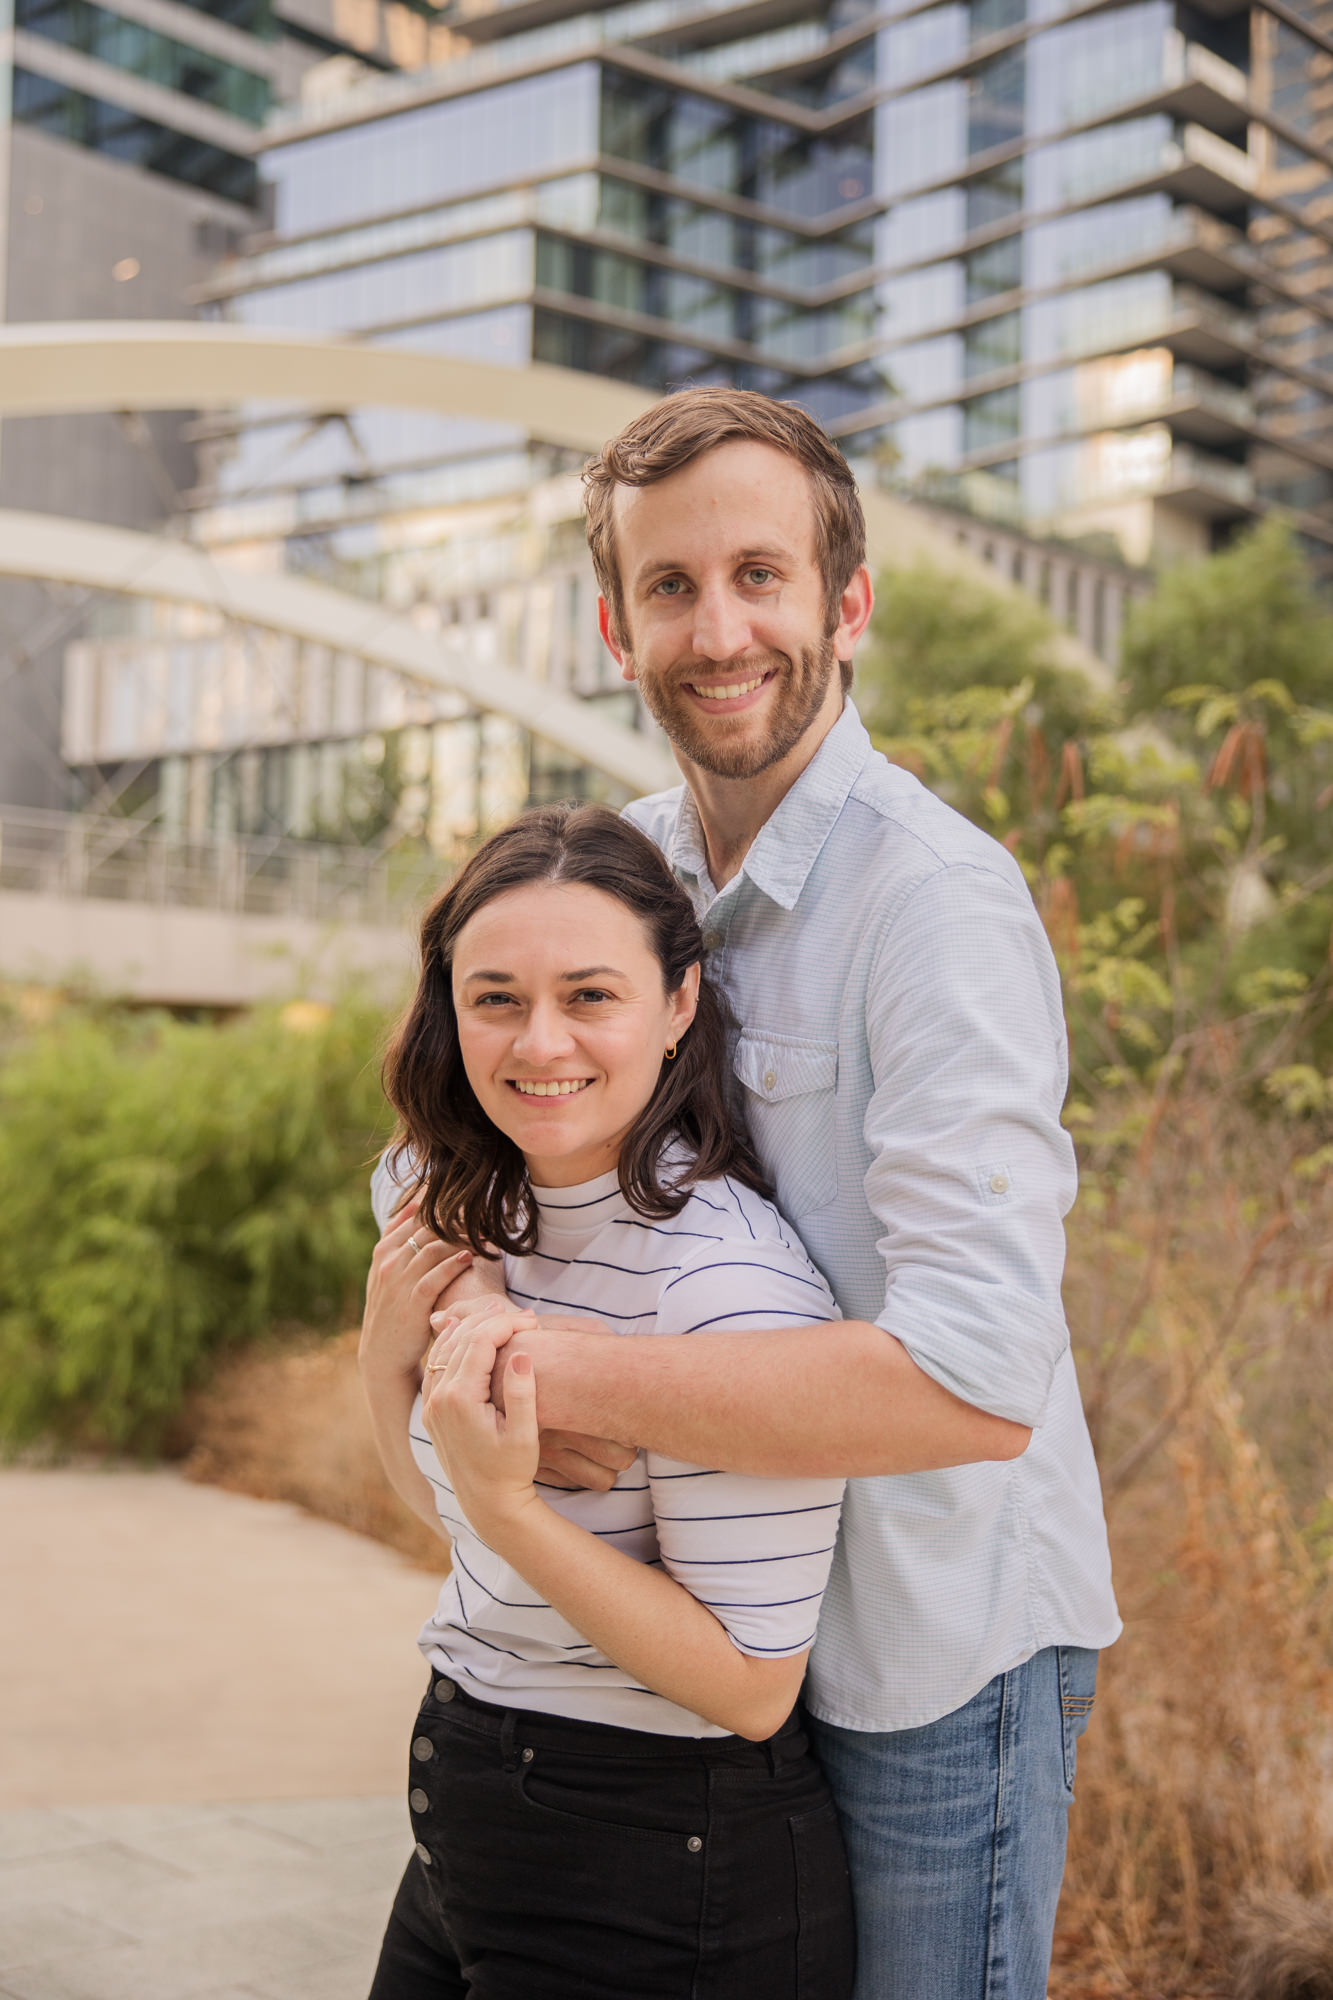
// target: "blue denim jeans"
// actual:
[[956, 1834]]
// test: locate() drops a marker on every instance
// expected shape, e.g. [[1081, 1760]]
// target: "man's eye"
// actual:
[[670, 586], [759, 576]]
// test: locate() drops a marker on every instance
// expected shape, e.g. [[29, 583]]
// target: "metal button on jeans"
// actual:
[[423, 1749], [445, 1690], [527, 1756], [418, 1800], [423, 1853], [694, 1844]]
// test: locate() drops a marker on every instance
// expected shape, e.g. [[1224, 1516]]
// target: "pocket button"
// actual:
[[770, 1079], [694, 1844]]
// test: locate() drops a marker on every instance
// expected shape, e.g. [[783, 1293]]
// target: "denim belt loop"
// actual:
[[508, 1754]]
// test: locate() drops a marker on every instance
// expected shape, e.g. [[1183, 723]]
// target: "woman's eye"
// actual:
[[493, 1000], [591, 993]]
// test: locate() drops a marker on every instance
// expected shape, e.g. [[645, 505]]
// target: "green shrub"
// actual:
[[168, 1189]]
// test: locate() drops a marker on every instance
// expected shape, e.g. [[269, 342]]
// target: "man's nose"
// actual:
[[721, 627]]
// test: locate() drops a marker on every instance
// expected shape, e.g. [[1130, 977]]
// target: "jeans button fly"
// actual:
[[418, 1799], [423, 1749], [445, 1690], [423, 1853]]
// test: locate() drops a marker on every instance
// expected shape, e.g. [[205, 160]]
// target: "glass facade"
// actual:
[[123, 135], [1059, 247], [127, 45]]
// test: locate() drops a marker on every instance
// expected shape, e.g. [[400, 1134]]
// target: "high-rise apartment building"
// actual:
[[1070, 264], [128, 134]]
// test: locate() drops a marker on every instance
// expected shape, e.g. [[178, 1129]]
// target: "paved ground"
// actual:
[[205, 1702]]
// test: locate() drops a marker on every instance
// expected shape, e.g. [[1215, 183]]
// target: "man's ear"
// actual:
[[858, 601], [611, 640]]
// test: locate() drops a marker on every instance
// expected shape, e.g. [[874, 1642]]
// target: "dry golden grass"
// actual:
[[290, 1423], [1199, 1289]]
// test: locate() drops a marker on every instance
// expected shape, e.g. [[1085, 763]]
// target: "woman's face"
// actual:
[[563, 1022]]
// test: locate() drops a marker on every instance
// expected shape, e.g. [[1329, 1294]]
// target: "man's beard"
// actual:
[[800, 686]]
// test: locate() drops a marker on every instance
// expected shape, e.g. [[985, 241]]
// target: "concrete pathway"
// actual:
[[205, 1704]]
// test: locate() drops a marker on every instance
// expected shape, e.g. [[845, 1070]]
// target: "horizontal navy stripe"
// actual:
[[741, 1562], [798, 1646], [746, 1604], [510, 1603], [745, 1264], [596, 1264], [751, 1312], [572, 1207], [572, 1306], [653, 1477], [769, 1514], [657, 1229]]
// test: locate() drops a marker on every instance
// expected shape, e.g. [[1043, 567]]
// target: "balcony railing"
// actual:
[[77, 855]]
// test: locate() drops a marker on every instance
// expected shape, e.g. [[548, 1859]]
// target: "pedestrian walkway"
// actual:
[[205, 1702]]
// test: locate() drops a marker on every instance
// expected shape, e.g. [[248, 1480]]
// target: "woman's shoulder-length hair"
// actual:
[[474, 1179]]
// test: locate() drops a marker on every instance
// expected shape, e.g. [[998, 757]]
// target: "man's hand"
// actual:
[[569, 1459]]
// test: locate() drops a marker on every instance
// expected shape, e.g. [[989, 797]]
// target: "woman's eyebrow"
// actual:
[[593, 971], [494, 978]]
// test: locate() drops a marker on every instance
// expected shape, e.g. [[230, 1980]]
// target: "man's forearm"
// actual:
[[842, 1399]]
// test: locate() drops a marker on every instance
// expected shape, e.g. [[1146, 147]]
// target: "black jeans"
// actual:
[[561, 1860]]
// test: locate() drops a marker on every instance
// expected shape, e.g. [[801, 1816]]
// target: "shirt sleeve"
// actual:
[[755, 1551], [971, 1173], [388, 1187]]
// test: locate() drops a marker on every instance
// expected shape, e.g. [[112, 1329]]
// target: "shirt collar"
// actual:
[[788, 844]]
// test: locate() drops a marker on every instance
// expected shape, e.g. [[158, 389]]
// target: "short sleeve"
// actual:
[[390, 1181], [755, 1551]]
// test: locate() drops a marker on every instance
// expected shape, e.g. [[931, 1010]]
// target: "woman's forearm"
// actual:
[[843, 1399], [646, 1622], [390, 1393]]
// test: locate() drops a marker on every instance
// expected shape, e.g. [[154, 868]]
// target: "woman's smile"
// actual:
[[555, 1086]]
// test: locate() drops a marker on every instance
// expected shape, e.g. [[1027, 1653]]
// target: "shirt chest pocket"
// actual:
[[790, 1106]]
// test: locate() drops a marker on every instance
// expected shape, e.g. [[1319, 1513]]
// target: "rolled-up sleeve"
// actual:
[[971, 1171]]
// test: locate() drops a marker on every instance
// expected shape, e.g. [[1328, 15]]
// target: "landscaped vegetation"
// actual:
[[170, 1193]]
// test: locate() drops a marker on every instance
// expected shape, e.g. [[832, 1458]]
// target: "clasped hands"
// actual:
[[489, 1333]]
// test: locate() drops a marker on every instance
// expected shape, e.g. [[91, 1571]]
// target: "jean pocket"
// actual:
[[1078, 1688], [620, 1801], [826, 1931]]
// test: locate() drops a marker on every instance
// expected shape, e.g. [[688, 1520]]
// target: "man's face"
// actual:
[[724, 608]]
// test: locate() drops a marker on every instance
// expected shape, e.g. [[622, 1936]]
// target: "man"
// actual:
[[902, 1062]]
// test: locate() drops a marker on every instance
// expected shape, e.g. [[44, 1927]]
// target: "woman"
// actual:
[[611, 1795]]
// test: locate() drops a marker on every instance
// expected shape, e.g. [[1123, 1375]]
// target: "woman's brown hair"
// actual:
[[474, 1178]]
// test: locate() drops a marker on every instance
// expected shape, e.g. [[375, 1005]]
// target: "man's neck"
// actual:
[[732, 810]]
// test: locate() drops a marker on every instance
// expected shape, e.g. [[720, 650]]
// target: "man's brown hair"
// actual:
[[680, 429]]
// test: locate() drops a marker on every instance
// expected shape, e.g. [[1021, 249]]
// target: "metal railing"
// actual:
[[76, 855]]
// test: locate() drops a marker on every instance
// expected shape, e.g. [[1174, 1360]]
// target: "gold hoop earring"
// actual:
[[671, 1053]]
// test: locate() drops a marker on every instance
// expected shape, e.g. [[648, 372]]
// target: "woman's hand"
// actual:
[[491, 1454], [409, 1270]]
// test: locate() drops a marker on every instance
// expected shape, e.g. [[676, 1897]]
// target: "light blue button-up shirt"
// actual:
[[902, 1059]]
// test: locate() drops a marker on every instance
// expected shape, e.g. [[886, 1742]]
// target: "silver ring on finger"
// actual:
[[413, 1245]]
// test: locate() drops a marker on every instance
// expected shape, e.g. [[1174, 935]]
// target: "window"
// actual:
[[994, 196], [160, 59], [998, 268], [995, 343], [123, 135], [995, 102], [992, 421]]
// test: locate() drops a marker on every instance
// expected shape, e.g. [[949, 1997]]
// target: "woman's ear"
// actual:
[[685, 1002]]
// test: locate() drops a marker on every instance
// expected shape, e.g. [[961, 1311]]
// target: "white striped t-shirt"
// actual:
[[755, 1551]]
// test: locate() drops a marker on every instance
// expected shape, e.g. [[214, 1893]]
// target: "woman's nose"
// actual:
[[544, 1035]]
